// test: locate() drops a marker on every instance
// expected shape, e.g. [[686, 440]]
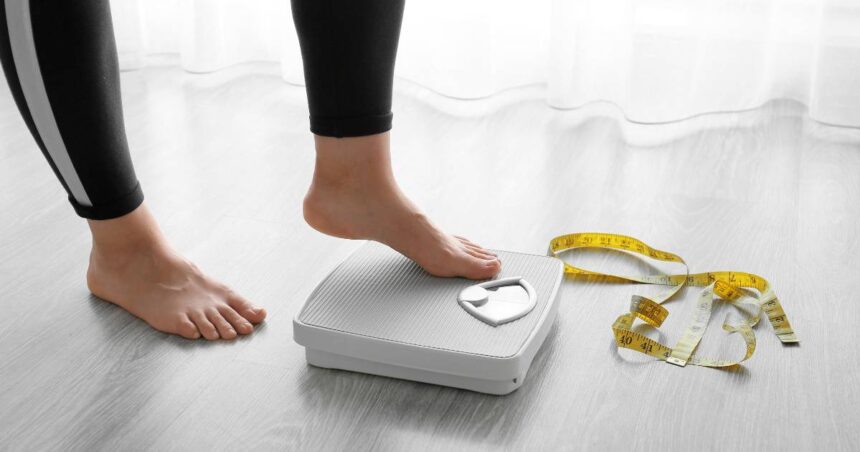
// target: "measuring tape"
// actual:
[[730, 287]]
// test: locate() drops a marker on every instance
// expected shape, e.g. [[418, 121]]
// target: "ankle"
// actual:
[[353, 161], [130, 234]]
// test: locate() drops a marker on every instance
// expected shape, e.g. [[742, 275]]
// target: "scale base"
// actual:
[[328, 360]]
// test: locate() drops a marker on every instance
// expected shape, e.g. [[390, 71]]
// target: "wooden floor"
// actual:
[[224, 160]]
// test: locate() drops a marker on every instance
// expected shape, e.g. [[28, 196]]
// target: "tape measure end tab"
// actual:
[[676, 361], [789, 338]]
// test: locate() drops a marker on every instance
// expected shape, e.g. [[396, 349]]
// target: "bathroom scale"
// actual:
[[379, 313]]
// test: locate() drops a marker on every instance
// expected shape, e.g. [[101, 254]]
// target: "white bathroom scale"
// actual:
[[379, 313]]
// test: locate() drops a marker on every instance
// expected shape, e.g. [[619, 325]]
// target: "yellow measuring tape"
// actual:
[[730, 287]]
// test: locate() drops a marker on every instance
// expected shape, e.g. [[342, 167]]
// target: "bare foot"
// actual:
[[354, 195], [133, 266]]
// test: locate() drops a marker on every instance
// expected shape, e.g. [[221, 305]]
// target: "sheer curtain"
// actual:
[[657, 60]]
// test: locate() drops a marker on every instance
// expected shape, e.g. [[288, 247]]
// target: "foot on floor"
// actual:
[[147, 278]]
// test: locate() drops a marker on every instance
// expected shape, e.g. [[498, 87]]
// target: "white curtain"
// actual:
[[657, 60]]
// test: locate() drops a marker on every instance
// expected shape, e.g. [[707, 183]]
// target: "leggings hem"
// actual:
[[112, 209], [351, 127]]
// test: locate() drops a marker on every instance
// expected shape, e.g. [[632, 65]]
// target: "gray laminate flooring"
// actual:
[[224, 160]]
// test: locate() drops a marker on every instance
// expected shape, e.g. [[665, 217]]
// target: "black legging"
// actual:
[[60, 61]]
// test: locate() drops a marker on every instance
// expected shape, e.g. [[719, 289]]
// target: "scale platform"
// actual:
[[379, 313]]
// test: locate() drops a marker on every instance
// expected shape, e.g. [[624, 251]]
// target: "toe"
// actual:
[[482, 269], [240, 324], [466, 241], [206, 328], [480, 254], [491, 268], [225, 329], [467, 244], [187, 329], [247, 310]]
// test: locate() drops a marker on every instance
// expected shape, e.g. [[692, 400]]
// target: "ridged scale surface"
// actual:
[[379, 293]]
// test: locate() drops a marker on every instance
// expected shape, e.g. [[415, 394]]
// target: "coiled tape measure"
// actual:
[[729, 286]]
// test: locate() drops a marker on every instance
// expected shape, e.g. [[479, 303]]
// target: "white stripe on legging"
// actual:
[[27, 64]]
